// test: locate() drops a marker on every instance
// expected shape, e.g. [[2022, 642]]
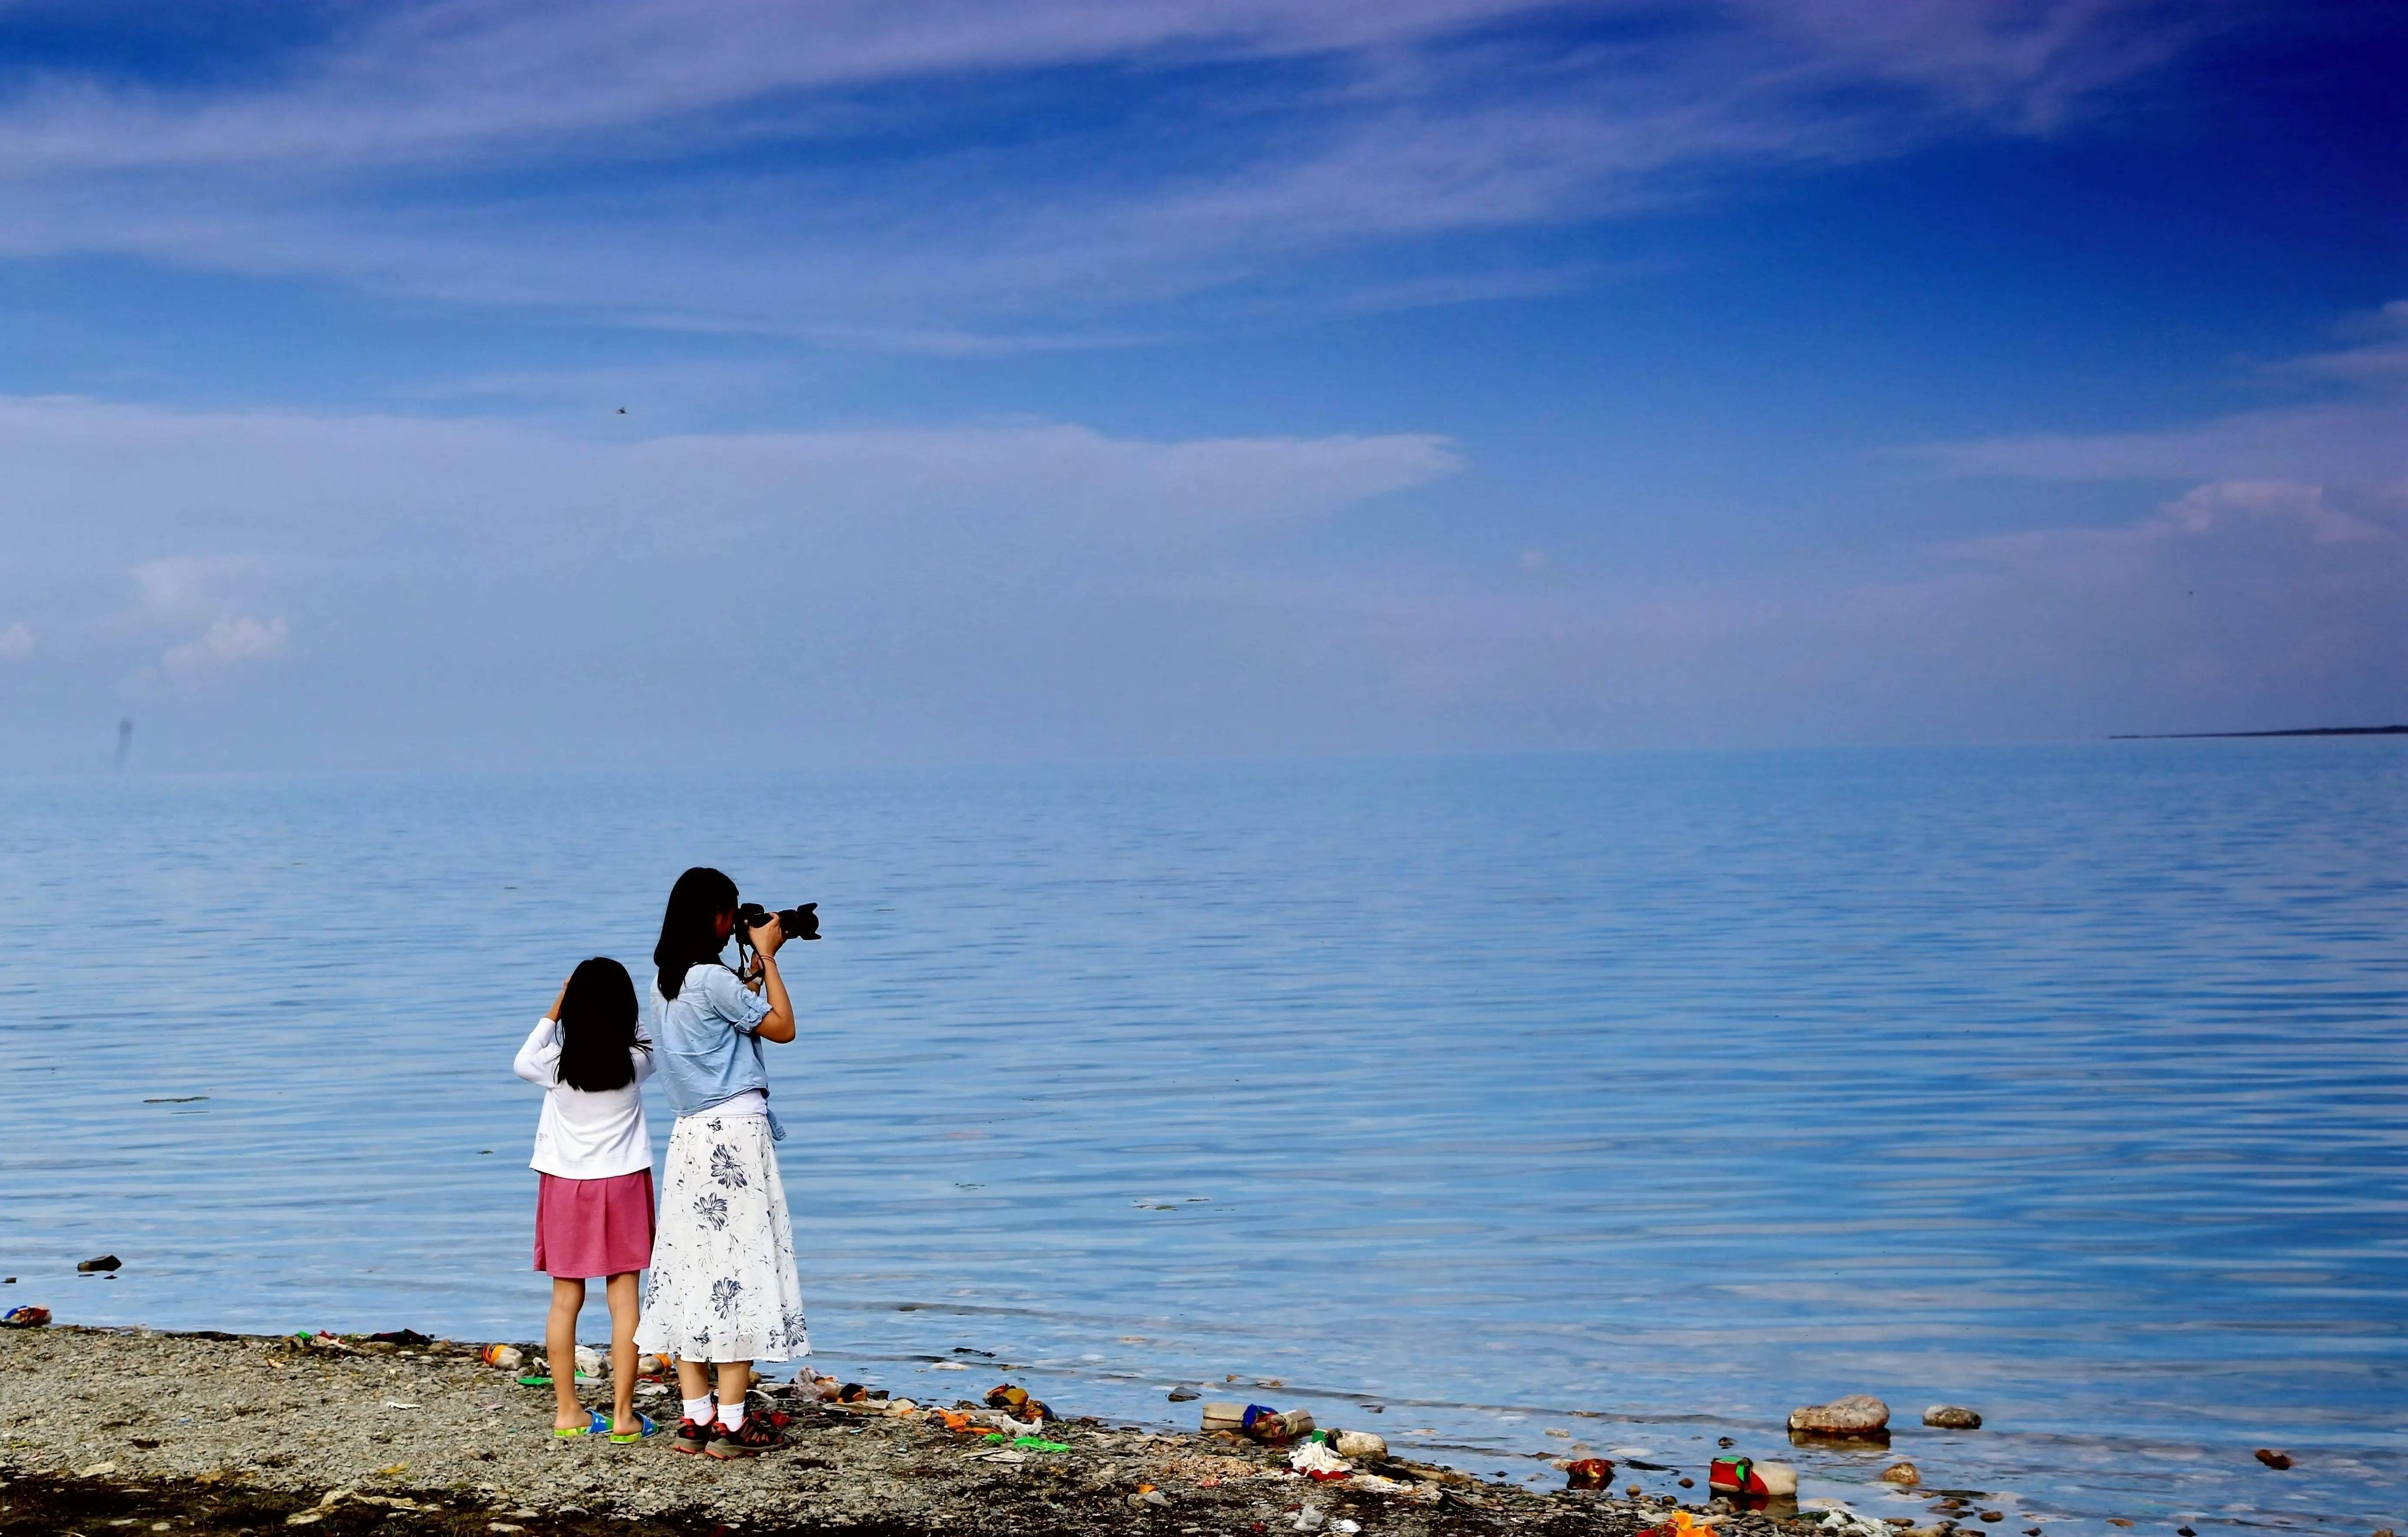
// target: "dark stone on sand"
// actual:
[[94, 1267], [1182, 1395], [1950, 1416], [1994, 1516]]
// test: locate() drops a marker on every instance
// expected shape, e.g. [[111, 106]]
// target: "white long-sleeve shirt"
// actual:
[[583, 1136]]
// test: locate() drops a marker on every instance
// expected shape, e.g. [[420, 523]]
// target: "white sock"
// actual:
[[731, 1415], [699, 1409]]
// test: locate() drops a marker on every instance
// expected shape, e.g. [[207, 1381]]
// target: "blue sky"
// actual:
[[1067, 378]]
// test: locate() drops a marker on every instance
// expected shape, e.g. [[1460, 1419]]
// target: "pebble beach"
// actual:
[[130, 1429]]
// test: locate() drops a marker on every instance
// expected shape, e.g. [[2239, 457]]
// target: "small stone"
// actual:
[[2185, 1531], [1631, 1490], [1994, 1516], [2272, 1458], [98, 1469], [1360, 1445], [1725, 1443], [1950, 1416], [1688, 1482], [1905, 1474], [2118, 1521], [1184, 1395], [95, 1267]]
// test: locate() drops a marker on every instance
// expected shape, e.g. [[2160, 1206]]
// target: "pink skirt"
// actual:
[[586, 1227]]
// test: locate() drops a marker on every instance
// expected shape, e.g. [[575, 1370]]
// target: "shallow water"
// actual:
[[1640, 1097]]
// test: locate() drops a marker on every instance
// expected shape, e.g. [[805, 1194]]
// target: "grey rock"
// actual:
[[1950, 1416], [1857, 1414]]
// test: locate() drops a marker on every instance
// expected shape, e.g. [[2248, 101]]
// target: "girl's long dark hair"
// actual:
[[689, 929], [598, 1028]]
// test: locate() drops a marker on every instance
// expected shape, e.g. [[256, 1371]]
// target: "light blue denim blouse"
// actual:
[[706, 1041]]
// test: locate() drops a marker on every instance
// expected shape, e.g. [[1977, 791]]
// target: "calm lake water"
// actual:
[[1641, 1098]]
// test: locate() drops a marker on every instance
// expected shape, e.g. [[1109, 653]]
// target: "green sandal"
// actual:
[[597, 1426], [628, 1437]]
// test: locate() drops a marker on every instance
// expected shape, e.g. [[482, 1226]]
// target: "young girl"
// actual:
[[593, 1211], [723, 1289]]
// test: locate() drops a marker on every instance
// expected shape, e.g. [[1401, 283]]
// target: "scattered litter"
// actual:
[[1847, 1523], [403, 1337], [1589, 1473], [1344, 1527], [395, 1470], [1747, 1476], [396, 1403], [1016, 1402], [947, 1366], [589, 1361], [25, 1317], [1316, 1461], [1309, 1519], [507, 1357]]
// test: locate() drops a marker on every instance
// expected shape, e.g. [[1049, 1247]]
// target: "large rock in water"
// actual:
[[1949, 1417], [1858, 1415]]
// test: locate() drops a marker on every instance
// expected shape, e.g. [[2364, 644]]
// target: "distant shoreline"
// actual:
[[2297, 731]]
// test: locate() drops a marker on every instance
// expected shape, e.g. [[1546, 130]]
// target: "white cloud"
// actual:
[[228, 642], [15, 642], [285, 486], [2357, 439]]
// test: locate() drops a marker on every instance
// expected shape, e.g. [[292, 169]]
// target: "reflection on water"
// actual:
[[1640, 1098]]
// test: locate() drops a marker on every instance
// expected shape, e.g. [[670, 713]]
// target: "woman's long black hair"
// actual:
[[689, 929], [598, 1028]]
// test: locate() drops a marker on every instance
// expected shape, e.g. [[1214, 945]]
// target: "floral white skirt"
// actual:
[[722, 1285]]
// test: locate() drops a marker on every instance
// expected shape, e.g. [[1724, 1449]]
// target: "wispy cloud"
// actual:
[[786, 168], [2356, 436], [228, 642], [15, 642]]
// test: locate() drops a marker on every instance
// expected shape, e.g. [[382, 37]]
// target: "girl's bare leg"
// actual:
[[735, 1381], [625, 1304], [560, 1347], [694, 1378]]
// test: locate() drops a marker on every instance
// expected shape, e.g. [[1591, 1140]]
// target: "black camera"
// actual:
[[800, 922]]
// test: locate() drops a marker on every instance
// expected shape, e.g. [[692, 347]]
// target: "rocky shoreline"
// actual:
[[106, 1431]]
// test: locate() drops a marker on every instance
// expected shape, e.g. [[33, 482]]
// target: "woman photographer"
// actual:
[[723, 1290]]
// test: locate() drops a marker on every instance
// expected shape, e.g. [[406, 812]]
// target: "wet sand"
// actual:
[[106, 1431]]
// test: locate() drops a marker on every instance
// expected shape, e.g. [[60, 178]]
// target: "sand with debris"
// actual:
[[128, 1430]]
